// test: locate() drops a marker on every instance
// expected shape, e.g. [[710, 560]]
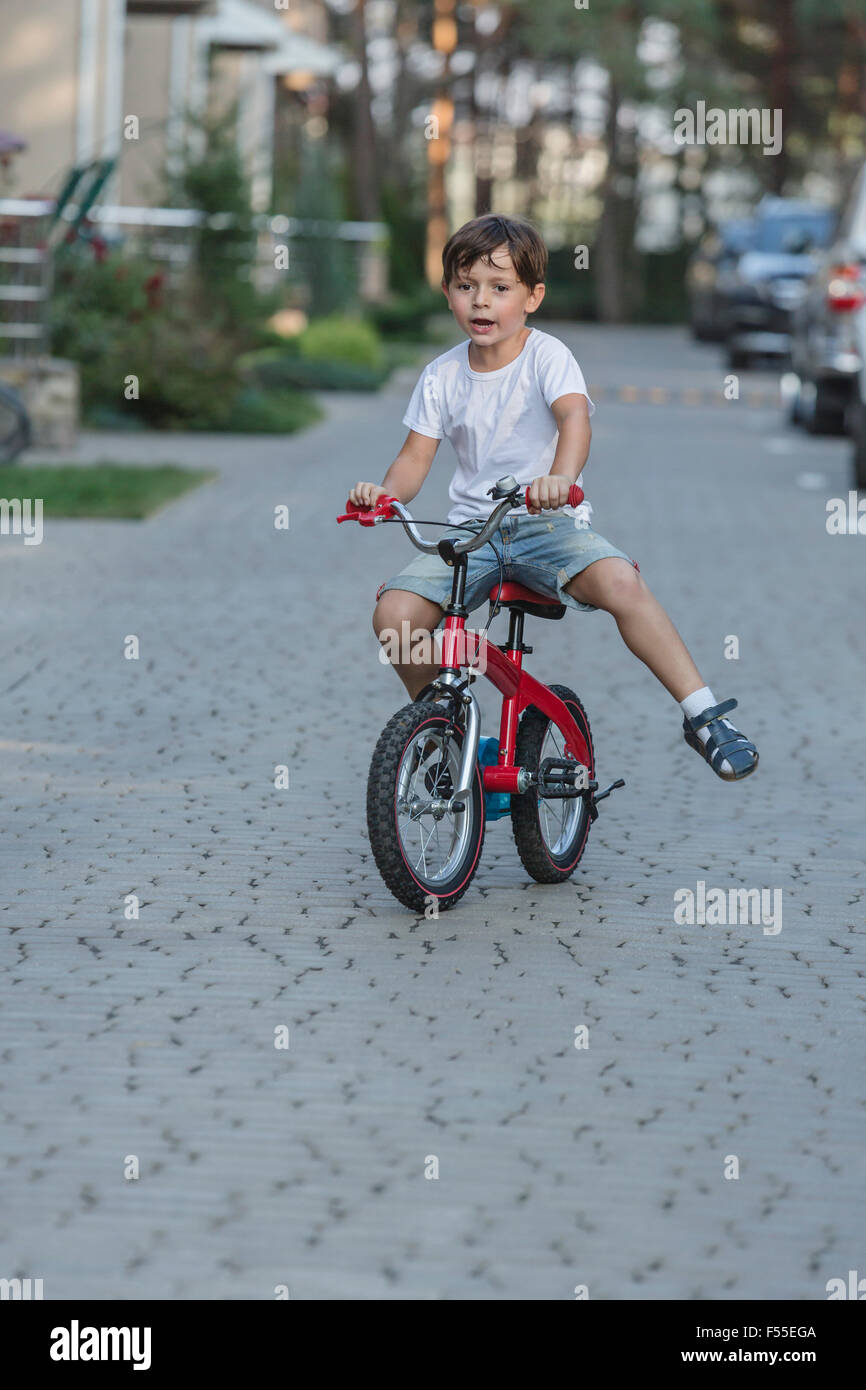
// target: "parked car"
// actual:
[[761, 290], [828, 349], [717, 252]]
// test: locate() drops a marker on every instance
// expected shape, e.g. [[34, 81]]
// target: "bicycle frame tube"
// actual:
[[518, 689]]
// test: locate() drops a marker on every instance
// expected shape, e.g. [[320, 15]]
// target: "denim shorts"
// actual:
[[541, 552]]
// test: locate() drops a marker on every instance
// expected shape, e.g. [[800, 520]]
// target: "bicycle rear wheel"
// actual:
[[425, 855], [551, 834]]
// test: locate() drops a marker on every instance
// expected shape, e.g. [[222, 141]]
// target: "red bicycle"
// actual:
[[425, 790]]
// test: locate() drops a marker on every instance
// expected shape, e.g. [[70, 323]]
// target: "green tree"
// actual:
[[610, 34], [214, 183], [806, 58], [323, 261]]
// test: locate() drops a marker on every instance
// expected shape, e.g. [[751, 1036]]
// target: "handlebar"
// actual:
[[390, 508]]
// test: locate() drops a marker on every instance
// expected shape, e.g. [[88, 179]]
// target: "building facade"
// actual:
[[84, 80]]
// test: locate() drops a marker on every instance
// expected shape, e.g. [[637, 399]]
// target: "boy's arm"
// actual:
[[405, 476], [572, 450]]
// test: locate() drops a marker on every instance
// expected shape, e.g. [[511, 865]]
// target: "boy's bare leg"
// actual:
[[404, 624], [616, 587]]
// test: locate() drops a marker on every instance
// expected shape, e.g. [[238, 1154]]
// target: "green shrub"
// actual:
[[110, 417], [253, 364], [268, 339], [283, 372], [405, 317], [116, 320], [272, 412], [340, 339], [187, 376], [162, 350], [113, 318]]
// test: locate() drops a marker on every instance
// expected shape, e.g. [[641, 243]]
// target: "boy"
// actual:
[[513, 400]]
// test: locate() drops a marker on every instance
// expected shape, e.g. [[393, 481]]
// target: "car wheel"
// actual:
[[826, 414]]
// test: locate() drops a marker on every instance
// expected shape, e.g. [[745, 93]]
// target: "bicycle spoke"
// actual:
[[424, 844], [430, 765], [558, 818]]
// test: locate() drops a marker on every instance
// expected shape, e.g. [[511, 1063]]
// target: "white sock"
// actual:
[[696, 703]]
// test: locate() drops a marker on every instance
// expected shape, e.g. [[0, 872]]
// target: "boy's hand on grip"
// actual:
[[547, 493], [366, 494]]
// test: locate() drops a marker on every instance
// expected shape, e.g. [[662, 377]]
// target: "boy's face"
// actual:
[[488, 301]]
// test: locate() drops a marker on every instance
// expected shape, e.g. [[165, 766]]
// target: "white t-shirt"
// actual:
[[498, 422]]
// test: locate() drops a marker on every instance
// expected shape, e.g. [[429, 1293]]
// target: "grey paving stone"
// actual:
[[409, 1038]]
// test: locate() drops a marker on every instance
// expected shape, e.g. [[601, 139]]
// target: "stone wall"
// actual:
[[49, 388]]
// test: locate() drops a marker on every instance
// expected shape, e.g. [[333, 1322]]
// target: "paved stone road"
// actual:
[[409, 1038]]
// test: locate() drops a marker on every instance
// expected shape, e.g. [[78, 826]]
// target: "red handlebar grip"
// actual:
[[367, 515], [575, 496]]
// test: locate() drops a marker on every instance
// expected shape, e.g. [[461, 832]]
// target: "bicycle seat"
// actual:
[[524, 600]]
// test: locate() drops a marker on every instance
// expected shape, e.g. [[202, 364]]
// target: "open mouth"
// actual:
[[482, 325]]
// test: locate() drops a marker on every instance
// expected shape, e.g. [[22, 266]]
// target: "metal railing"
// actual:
[[25, 281], [32, 234]]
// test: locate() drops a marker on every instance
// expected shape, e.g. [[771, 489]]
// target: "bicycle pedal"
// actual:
[[600, 796], [561, 779]]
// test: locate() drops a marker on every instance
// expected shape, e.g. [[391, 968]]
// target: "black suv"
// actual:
[[764, 287]]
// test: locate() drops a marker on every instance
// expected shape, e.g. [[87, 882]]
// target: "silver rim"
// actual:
[[432, 845], [558, 820]]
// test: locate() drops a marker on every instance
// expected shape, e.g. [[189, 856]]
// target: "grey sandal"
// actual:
[[723, 744]]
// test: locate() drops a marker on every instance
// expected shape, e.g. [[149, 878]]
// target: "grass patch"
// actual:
[[112, 490]]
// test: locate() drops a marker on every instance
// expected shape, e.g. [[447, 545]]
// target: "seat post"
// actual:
[[509, 718], [515, 631]]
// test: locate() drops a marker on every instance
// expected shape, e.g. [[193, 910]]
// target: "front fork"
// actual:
[[464, 708], [469, 755], [452, 683]]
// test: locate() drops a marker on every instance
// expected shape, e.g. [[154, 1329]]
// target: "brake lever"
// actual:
[[352, 513], [368, 516]]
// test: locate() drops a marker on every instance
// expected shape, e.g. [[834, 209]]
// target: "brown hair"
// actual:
[[480, 237]]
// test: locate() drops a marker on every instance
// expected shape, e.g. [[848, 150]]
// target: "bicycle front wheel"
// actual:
[[426, 855]]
